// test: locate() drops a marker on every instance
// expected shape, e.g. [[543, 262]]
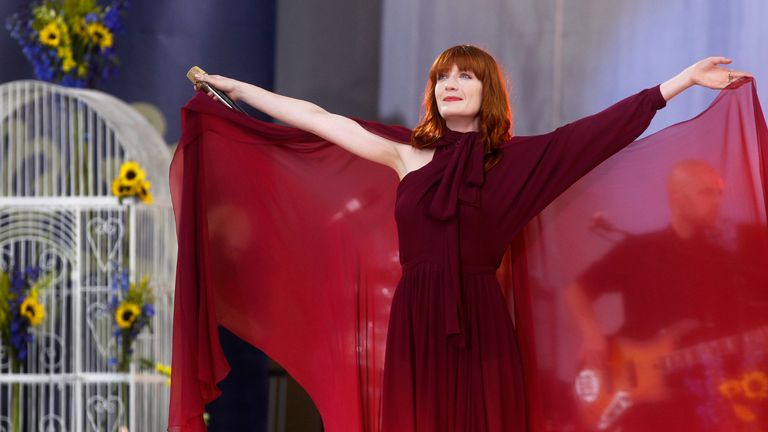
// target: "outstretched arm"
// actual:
[[309, 117], [706, 73]]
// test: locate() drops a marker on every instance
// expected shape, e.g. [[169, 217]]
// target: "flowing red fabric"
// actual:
[[290, 242]]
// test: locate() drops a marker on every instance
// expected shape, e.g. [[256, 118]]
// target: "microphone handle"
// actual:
[[222, 97]]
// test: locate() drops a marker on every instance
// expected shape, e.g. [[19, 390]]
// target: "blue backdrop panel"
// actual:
[[160, 42], [163, 39]]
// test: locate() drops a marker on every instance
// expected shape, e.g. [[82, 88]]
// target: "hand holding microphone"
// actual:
[[216, 86]]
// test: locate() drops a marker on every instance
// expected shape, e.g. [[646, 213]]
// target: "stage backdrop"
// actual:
[[568, 59]]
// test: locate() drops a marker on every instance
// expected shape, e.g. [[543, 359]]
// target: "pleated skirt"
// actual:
[[430, 384]]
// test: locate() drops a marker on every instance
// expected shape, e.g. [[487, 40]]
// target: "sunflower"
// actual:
[[142, 191], [126, 315], [78, 26], [100, 35], [32, 310], [755, 385], [122, 190], [131, 173], [50, 35]]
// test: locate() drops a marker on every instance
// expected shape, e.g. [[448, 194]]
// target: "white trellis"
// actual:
[[60, 149]]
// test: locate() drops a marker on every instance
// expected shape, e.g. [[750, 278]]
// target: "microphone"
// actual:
[[218, 94]]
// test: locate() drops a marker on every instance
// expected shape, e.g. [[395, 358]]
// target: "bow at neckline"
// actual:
[[462, 176], [457, 168]]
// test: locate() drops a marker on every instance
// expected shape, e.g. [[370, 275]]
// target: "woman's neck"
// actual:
[[463, 124]]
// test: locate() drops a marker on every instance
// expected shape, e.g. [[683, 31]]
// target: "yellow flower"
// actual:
[[82, 70], [64, 52], [32, 310], [163, 369], [122, 190], [67, 61], [50, 35], [126, 314], [755, 385], [100, 35], [142, 191], [78, 26], [730, 389], [68, 64], [131, 173]]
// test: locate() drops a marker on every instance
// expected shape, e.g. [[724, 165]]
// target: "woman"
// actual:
[[468, 187]]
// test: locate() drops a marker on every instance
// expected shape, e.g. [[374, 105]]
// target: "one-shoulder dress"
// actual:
[[452, 358]]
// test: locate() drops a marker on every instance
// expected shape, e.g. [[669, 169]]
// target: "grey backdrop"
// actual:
[[568, 59]]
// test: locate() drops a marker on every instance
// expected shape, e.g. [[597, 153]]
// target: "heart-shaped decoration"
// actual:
[[104, 238], [52, 423], [98, 318], [51, 352], [103, 412]]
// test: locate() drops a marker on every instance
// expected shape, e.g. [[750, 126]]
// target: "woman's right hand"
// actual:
[[227, 85]]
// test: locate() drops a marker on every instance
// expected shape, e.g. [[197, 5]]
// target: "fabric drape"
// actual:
[[290, 242]]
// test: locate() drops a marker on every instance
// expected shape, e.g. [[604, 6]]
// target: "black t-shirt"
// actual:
[[664, 280]]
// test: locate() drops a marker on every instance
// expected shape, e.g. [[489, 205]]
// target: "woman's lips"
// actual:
[[452, 99]]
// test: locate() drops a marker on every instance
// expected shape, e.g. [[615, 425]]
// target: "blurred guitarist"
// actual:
[[692, 307]]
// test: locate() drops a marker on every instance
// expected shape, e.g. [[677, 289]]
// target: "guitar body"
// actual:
[[634, 372], [631, 375]]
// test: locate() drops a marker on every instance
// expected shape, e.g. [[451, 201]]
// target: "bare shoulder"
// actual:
[[412, 158]]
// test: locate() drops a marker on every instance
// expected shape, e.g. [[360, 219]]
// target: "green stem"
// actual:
[[124, 366], [15, 398], [124, 397]]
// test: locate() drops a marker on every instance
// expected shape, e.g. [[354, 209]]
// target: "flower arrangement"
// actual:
[[132, 306], [20, 309], [70, 42], [131, 183], [746, 393]]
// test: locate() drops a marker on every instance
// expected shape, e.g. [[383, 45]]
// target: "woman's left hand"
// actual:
[[708, 73]]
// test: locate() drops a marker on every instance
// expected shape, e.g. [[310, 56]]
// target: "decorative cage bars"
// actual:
[[60, 150]]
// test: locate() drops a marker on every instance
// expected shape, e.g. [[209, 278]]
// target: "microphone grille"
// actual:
[[194, 70]]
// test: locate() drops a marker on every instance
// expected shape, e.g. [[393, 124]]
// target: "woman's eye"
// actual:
[[441, 76], [466, 75]]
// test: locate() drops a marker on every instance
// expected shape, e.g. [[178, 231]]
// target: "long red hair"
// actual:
[[495, 113]]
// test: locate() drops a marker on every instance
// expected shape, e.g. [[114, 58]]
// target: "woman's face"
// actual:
[[458, 95]]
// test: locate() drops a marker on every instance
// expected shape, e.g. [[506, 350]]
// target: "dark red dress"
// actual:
[[453, 361]]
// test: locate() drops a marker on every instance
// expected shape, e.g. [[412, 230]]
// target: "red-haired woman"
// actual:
[[467, 187]]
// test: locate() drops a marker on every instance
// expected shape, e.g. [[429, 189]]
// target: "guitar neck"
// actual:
[[701, 352]]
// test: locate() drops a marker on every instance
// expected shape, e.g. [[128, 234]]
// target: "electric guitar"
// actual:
[[635, 372]]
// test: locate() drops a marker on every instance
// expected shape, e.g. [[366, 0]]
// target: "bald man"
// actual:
[[683, 320]]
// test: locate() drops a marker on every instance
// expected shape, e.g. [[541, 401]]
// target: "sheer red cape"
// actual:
[[289, 242]]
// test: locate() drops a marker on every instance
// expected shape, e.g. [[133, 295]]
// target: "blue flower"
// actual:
[[112, 361], [148, 310], [91, 18], [70, 81], [33, 272], [112, 19]]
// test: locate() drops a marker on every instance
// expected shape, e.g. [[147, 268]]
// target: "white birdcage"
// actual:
[[60, 150]]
